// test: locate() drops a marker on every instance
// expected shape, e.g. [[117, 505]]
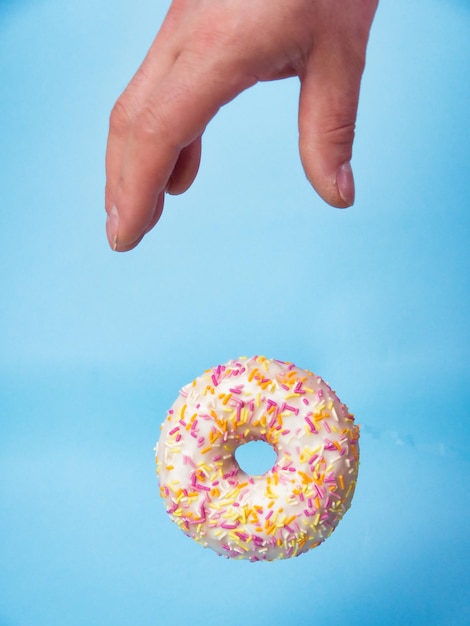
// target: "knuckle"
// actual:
[[340, 133], [148, 122], [120, 119]]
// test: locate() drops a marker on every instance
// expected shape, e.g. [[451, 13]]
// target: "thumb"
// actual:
[[327, 117]]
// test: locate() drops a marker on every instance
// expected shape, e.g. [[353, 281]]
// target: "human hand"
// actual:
[[205, 54]]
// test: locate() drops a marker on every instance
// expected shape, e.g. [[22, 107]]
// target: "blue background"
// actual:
[[94, 346]]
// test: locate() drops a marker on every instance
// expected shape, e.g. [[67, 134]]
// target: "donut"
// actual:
[[291, 508]]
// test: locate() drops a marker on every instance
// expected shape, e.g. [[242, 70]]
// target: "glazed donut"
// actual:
[[291, 508]]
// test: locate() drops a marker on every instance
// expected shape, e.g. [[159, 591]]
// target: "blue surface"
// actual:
[[94, 346]]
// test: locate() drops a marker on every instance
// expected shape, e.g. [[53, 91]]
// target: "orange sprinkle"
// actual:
[[305, 478]]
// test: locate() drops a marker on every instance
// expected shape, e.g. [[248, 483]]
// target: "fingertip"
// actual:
[[112, 227], [334, 184], [345, 184], [123, 236]]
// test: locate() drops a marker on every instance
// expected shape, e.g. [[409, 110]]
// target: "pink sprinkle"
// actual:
[[237, 389], [182, 422], [288, 407], [174, 430], [214, 380], [203, 487], [298, 388], [305, 401], [230, 474], [230, 526], [217, 458], [319, 491], [172, 509], [178, 437], [242, 536], [194, 425], [326, 426], [312, 425], [320, 393], [269, 514]]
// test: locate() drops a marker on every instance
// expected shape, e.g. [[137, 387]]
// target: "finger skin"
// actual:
[[204, 55]]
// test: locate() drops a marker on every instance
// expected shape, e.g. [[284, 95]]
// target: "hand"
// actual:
[[206, 53]]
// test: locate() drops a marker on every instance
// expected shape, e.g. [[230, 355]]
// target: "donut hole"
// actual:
[[255, 458]]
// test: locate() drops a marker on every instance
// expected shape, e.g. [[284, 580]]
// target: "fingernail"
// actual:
[[112, 227], [345, 183]]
